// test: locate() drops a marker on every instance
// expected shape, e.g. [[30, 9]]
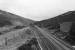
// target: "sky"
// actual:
[[37, 9]]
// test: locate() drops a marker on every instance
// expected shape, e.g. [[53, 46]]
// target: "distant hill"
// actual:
[[9, 18], [48, 23], [66, 17]]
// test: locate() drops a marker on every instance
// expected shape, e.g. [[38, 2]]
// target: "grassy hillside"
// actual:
[[14, 18], [66, 17], [48, 23]]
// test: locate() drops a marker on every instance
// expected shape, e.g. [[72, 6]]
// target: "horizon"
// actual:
[[37, 9]]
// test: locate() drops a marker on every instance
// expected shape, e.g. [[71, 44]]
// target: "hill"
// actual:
[[14, 19]]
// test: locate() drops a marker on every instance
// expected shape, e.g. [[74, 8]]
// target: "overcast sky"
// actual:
[[37, 9]]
